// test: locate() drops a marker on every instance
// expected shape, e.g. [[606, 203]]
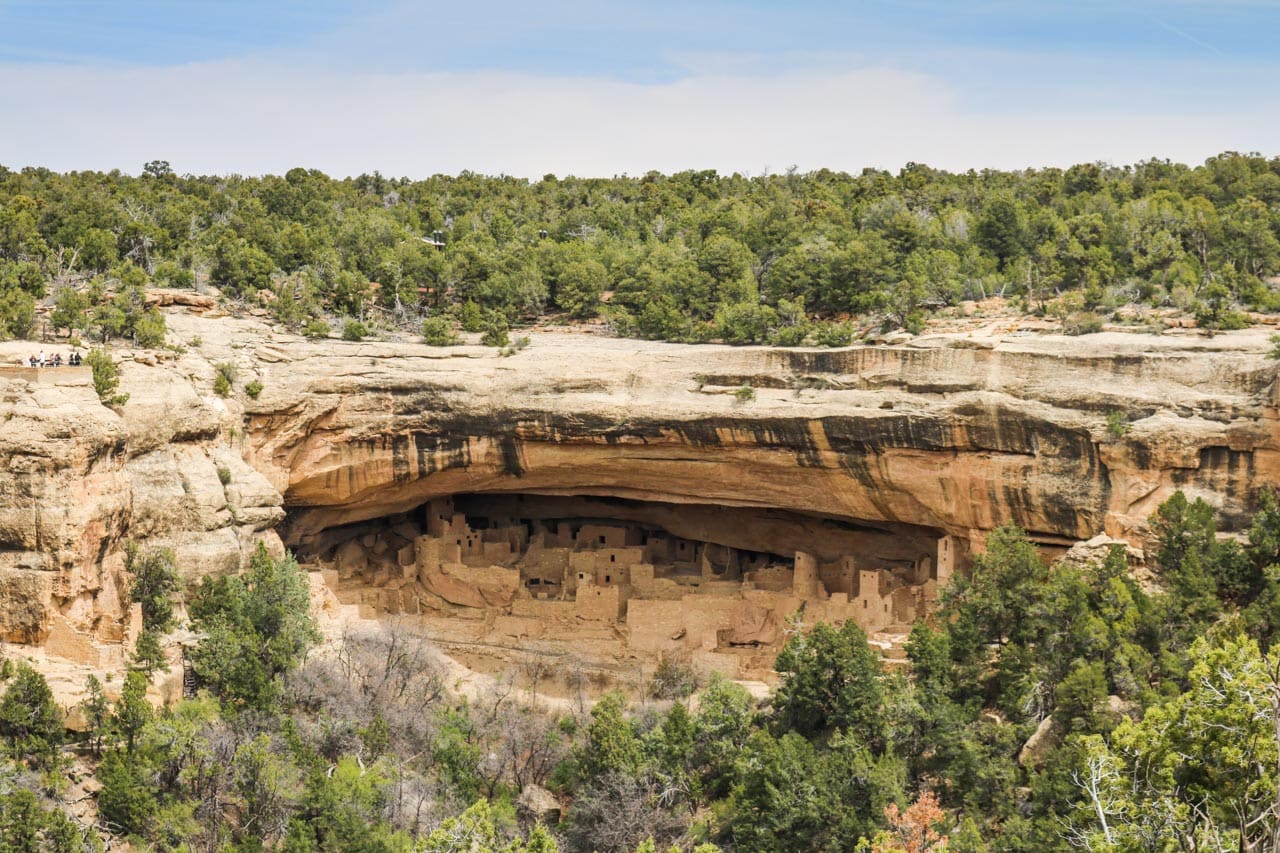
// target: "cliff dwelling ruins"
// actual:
[[610, 578], [610, 504]]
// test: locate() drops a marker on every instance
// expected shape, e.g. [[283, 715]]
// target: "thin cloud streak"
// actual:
[[1189, 37], [251, 118]]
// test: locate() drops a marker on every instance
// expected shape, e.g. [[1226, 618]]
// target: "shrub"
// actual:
[[1081, 323], [672, 679], [913, 323], [495, 331], [17, 313], [155, 579], [744, 394], [224, 375], [148, 654], [30, 721], [833, 334], [224, 475], [354, 330], [149, 329], [256, 627], [127, 800], [789, 336], [106, 377], [579, 287], [745, 323], [316, 328], [69, 309], [1118, 425], [253, 389], [438, 332], [470, 317], [516, 345]]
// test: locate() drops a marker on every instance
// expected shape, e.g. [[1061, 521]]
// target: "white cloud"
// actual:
[[251, 117]]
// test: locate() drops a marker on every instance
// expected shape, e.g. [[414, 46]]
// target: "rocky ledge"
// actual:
[[1066, 437]]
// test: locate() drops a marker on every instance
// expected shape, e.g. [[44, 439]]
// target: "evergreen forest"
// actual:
[[822, 258]]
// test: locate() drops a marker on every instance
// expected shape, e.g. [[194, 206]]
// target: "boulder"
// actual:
[[1044, 740], [537, 805]]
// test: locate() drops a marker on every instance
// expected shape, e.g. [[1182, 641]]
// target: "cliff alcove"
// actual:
[[613, 578], [867, 458]]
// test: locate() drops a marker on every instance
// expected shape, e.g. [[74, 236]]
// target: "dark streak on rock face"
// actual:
[[1226, 472], [862, 434]]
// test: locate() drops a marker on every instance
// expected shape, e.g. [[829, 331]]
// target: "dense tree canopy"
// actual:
[[691, 256]]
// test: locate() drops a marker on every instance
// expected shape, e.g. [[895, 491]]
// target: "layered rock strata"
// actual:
[[956, 434]]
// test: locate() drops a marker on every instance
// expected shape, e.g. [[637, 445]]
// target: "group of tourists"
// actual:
[[55, 360]]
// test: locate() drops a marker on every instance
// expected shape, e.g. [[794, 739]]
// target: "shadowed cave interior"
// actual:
[[728, 576]]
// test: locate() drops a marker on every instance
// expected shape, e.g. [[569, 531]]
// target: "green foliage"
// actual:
[[830, 680], [745, 323], [1118, 425], [495, 331], [340, 810], [149, 329], [1198, 768], [106, 377], [354, 330], [28, 826], [579, 286], [239, 267], [316, 328], [1188, 553], [224, 377], [704, 758], [611, 742], [438, 332], [1081, 323], [686, 256], [96, 712], [148, 655], [793, 795], [127, 800], [154, 580], [257, 627], [30, 721], [1001, 228], [470, 317], [17, 313], [320, 765], [69, 310], [132, 711], [833, 334], [744, 394], [253, 388]]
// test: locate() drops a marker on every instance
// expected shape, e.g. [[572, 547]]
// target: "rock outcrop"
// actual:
[[79, 479], [954, 434]]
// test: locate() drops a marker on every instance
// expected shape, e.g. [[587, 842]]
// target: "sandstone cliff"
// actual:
[[955, 433]]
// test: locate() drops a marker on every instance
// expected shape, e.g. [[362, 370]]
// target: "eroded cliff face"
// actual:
[[79, 479], [953, 435], [958, 434]]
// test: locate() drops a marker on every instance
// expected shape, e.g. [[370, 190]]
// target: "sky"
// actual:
[[604, 87]]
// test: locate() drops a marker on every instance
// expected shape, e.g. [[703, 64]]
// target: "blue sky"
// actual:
[[607, 87]]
